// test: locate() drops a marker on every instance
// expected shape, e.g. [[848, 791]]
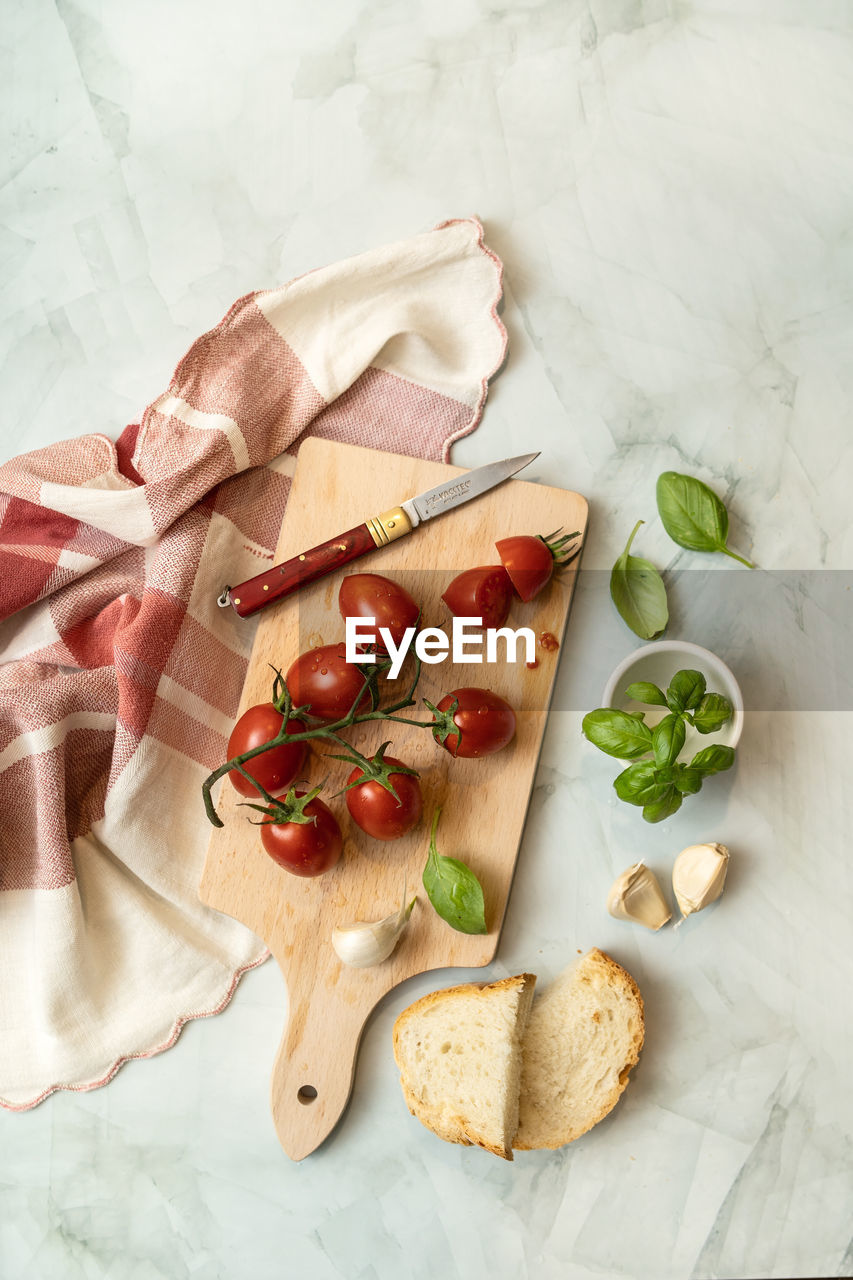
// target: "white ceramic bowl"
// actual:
[[658, 663]]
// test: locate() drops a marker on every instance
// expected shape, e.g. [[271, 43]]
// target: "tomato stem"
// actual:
[[418, 724], [281, 698], [353, 755], [257, 785], [559, 546], [323, 732], [288, 808]]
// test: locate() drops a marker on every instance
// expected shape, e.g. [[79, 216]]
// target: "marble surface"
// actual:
[[670, 188]]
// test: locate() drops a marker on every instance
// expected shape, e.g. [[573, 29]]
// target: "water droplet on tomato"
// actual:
[[324, 671]]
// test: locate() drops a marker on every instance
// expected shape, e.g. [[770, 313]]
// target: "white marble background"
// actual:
[[670, 186]]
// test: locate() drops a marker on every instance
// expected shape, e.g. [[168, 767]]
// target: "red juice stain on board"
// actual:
[[547, 641]]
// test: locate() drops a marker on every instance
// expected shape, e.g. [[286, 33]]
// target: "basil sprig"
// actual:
[[637, 590], [657, 781], [453, 889], [693, 515]]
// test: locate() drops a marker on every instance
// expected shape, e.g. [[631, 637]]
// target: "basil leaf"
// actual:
[[643, 691], [456, 894], [685, 690], [712, 713], [664, 807], [617, 733], [637, 590], [713, 759], [693, 515], [688, 780], [641, 783], [668, 739], [453, 889]]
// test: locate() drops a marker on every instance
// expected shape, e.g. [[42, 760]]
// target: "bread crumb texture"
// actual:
[[584, 1035], [459, 1054], [485, 1064]]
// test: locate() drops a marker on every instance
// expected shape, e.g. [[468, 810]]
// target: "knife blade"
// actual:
[[377, 531]]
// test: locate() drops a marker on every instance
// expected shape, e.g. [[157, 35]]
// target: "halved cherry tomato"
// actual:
[[323, 679], [484, 593], [369, 595], [485, 721], [376, 810], [530, 560], [305, 848], [274, 769]]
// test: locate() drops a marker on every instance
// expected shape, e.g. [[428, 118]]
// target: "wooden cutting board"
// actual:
[[484, 802]]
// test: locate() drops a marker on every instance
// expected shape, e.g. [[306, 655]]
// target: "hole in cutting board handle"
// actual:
[[307, 1093]]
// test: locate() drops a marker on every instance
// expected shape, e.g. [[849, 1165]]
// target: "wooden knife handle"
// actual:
[[283, 579]]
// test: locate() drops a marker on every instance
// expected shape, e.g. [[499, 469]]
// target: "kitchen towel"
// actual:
[[119, 675]]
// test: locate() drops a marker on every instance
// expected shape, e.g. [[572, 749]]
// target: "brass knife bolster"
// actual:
[[389, 526]]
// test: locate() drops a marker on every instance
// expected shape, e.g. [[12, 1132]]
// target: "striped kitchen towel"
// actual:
[[119, 675]]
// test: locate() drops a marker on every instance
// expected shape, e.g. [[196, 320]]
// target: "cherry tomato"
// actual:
[[486, 722], [529, 562], [305, 848], [369, 595], [484, 593], [274, 769], [323, 679], [376, 811]]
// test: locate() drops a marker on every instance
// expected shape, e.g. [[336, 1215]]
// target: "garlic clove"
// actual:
[[699, 876], [364, 943], [636, 895]]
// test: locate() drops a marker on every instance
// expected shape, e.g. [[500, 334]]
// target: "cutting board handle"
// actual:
[[313, 1073]]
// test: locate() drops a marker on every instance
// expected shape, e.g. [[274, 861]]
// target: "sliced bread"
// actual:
[[583, 1036], [459, 1054]]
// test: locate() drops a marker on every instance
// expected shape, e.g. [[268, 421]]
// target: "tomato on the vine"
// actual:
[[377, 811], [484, 723], [306, 847], [274, 769], [530, 561], [321, 679], [484, 593], [369, 595]]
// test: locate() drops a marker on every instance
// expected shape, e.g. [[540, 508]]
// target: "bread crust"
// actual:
[[445, 993]]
